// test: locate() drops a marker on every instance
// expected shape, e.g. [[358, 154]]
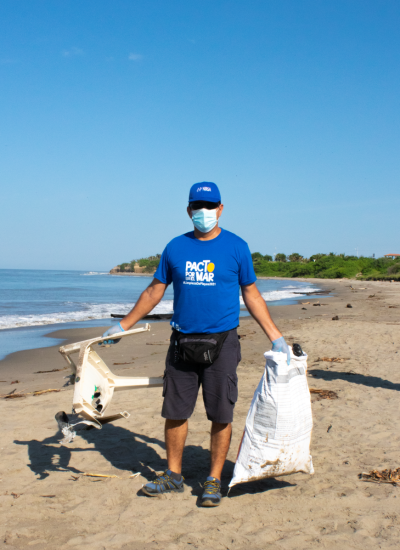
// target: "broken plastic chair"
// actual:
[[95, 383]]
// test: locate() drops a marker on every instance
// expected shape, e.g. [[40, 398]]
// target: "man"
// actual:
[[206, 267]]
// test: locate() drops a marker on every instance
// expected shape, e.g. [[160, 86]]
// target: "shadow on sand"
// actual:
[[355, 378], [127, 450]]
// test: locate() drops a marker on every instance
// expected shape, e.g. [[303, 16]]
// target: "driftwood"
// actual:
[[159, 316], [332, 359], [324, 394], [52, 370], [383, 476], [100, 475], [14, 395]]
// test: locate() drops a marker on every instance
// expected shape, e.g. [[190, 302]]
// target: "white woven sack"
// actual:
[[276, 438]]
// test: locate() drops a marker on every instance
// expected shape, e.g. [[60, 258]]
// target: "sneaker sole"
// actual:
[[209, 504], [163, 493]]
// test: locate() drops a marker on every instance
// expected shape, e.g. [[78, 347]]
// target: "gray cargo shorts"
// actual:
[[219, 381]]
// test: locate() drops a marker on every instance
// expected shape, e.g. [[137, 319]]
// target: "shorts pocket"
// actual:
[[165, 381], [239, 352], [232, 388]]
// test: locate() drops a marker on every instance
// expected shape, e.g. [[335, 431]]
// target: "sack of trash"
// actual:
[[276, 438]]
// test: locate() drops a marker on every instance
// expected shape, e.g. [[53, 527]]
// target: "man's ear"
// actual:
[[219, 211]]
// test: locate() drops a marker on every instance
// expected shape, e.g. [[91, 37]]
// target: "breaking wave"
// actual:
[[288, 292], [103, 311], [88, 313]]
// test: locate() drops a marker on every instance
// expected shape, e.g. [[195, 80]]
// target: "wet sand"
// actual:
[[42, 505]]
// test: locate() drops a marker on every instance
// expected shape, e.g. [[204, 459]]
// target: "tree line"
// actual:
[[327, 266], [323, 266]]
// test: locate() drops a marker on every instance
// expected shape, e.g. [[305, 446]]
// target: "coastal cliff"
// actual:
[[145, 266]]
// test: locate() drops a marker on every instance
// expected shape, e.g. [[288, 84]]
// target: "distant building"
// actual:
[[393, 256]]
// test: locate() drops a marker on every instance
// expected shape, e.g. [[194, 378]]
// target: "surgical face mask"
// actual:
[[204, 220]]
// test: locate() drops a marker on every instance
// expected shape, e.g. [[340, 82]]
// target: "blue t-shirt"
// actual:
[[206, 276]]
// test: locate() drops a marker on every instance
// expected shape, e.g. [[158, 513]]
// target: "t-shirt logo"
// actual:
[[200, 273]]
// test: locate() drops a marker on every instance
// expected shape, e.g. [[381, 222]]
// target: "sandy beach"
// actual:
[[47, 503]]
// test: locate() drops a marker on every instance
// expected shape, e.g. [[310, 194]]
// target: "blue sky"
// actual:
[[110, 110]]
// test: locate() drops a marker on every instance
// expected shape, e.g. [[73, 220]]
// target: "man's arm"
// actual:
[[259, 310], [147, 301]]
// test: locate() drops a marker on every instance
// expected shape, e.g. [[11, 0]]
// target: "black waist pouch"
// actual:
[[198, 348]]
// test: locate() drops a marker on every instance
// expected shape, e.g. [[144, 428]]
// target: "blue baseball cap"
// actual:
[[204, 191]]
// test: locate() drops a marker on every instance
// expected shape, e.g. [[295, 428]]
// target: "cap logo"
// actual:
[[204, 189]]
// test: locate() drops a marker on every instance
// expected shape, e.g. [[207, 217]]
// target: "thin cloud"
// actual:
[[135, 57], [72, 52]]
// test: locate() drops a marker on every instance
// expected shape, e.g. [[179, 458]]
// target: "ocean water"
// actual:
[[34, 303]]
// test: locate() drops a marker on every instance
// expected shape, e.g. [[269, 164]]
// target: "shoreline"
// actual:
[[131, 274], [57, 323], [278, 313]]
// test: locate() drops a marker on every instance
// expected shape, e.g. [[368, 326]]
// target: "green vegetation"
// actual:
[[327, 266], [280, 257], [150, 264], [322, 266]]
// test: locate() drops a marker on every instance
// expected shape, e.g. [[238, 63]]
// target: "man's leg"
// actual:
[[220, 393], [175, 437], [171, 480], [220, 441]]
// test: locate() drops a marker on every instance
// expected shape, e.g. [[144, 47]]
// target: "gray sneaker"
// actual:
[[164, 483], [212, 493]]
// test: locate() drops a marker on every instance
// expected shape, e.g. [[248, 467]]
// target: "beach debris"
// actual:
[[297, 350], [389, 307], [135, 475], [332, 359], [349, 305], [12, 394], [244, 335], [40, 392], [74, 478], [21, 393], [158, 343], [48, 496], [371, 296], [329, 428], [101, 475], [383, 476], [317, 304], [324, 394], [335, 318], [126, 363], [15, 382], [16, 495], [67, 429], [304, 308], [52, 370], [305, 303]]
